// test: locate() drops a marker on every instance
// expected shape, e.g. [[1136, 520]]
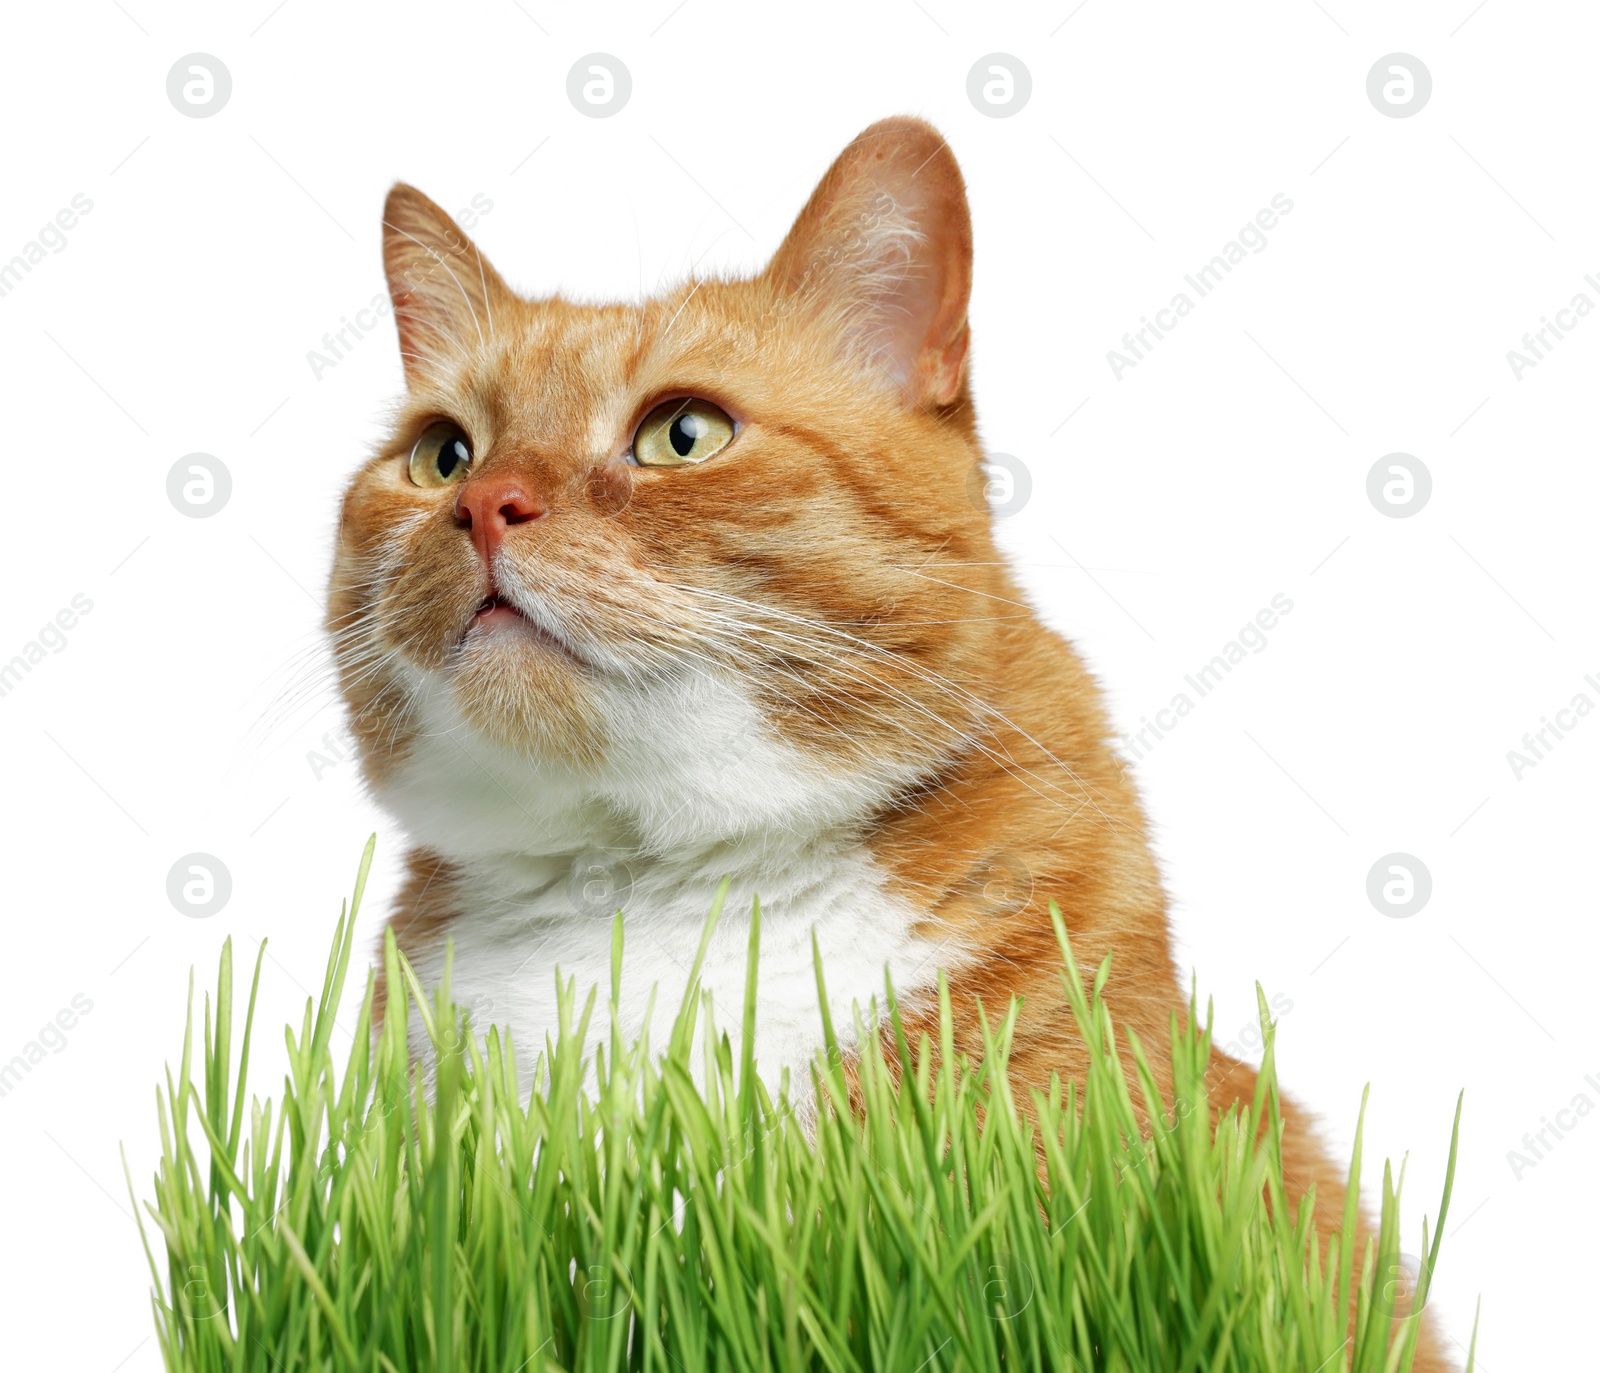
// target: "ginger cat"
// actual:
[[637, 597]]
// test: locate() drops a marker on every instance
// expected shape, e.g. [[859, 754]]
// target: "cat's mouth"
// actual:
[[496, 613], [495, 609]]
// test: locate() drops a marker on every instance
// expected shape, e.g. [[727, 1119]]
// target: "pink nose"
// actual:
[[489, 505]]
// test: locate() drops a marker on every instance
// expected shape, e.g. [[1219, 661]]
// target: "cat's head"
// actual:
[[718, 559]]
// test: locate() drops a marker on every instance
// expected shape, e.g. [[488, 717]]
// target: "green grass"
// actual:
[[626, 1218]]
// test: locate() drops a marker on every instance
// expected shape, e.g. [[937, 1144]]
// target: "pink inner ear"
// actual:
[[934, 296], [918, 313]]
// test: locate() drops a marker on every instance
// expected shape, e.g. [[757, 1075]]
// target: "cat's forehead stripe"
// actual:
[[570, 375]]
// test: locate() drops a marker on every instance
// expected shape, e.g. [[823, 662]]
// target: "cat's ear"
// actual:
[[445, 293], [884, 249]]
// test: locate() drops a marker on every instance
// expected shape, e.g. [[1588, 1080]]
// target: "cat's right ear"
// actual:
[[445, 293]]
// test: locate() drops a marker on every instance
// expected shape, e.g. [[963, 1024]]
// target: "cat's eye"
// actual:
[[680, 432], [442, 455]]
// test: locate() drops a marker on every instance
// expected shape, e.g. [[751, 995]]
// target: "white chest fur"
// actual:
[[545, 858], [526, 920]]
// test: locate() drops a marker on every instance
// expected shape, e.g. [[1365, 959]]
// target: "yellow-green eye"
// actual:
[[441, 456], [681, 432]]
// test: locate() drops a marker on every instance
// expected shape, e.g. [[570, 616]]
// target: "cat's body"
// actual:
[[642, 598]]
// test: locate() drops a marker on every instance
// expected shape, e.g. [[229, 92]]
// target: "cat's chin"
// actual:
[[521, 687]]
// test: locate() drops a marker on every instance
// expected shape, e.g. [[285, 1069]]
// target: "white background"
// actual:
[[1228, 466]]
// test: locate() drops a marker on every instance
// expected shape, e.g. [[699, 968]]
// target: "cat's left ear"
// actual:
[[883, 249], [445, 293]]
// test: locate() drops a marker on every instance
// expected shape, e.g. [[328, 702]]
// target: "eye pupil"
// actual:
[[451, 455], [685, 431]]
